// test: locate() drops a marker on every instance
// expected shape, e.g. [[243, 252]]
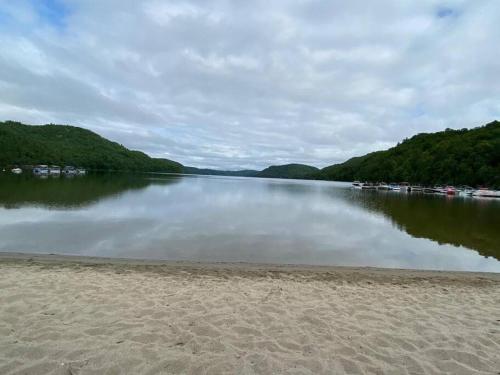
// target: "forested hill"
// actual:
[[468, 157], [216, 172], [22, 144], [300, 171], [289, 171]]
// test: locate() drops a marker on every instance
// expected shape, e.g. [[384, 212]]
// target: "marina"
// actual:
[[448, 190]]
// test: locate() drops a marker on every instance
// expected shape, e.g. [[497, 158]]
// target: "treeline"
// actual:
[[22, 144], [458, 157]]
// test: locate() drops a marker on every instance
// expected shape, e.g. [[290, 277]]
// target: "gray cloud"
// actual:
[[243, 85]]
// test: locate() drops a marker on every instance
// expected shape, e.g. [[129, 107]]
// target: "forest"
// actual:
[[22, 144], [457, 157]]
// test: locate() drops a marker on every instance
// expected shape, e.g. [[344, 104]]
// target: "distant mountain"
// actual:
[[459, 157], [216, 172], [22, 144], [275, 171], [300, 171]]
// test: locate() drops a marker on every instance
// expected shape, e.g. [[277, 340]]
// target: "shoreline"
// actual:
[[361, 272]]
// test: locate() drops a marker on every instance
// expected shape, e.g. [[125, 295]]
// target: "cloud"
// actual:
[[244, 85]]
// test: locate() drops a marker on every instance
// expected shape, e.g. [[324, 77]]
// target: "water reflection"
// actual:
[[247, 219], [70, 192], [459, 221]]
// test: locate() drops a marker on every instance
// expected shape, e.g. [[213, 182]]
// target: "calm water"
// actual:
[[246, 220]]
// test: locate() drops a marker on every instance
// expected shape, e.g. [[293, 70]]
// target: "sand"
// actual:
[[64, 315]]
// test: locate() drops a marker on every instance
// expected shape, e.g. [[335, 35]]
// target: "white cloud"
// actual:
[[248, 84]]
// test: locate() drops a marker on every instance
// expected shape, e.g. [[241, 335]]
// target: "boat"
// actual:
[[363, 185], [41, 170], [404, 186], [55, 170], [416, 188], [466, 190], [394, 187], [439, 190], [368, 186], [450, 190], [383, 186], [69, 170], [486, 193], [16, 170], [81, 171]]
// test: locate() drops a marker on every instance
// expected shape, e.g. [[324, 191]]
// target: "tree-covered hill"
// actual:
[[468, 157], [22, 144], [300, 171], [216, 172]]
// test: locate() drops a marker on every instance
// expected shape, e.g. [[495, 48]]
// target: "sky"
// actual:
[[246, 84]]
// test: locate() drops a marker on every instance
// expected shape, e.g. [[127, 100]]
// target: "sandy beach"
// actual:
[[68, 315]]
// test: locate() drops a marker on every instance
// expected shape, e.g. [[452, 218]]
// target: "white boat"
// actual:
[[394, 187], [383, 186], [41, 170], [81, 171], [69, 170], [368, 186], [16, 170], [439, 189], [363, 185], [55, 170], [486, 193], [403, 186], [466, 191]]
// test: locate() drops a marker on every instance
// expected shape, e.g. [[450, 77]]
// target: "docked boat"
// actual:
[[416, 188], [81, 171], [439, 190], [69, 170], [16, 170], [404, 186], [383, 186], [41, 170], [450, 190], [356, 185], [486, 193], [394, 187], [466, 191], [368, 186], [55, 170]]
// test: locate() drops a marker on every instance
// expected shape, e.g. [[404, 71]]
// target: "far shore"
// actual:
[[89, 315]]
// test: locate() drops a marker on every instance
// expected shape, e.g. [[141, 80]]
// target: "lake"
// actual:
[[231, 219]]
